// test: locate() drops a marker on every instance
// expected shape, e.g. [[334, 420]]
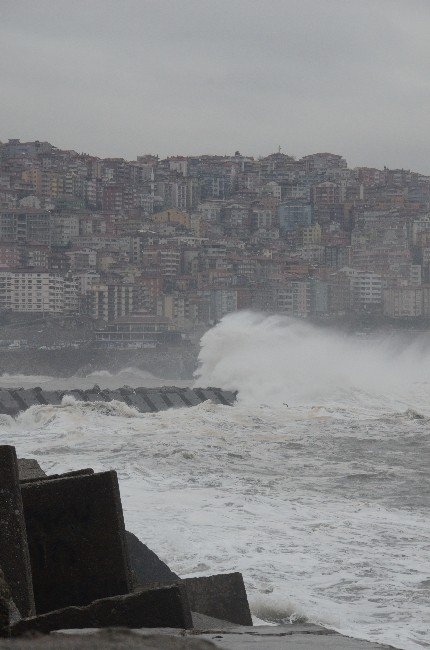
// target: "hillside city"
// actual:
[[151, 249]]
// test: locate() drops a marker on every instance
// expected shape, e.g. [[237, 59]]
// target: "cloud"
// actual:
[[124, 78]]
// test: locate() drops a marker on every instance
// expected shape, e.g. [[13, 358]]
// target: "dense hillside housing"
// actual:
[[188, 239]]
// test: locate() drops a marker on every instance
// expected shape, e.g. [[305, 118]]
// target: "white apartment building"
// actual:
[[366, 287], [42, 292]]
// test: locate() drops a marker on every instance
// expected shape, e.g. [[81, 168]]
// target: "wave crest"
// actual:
[[275, 359]]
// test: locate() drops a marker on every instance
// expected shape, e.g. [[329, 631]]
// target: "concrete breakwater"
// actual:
[[66, 560], [67, 563], [145, 400]]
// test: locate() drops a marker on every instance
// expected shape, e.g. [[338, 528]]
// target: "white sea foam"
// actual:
[[276, 359], [323, 505]]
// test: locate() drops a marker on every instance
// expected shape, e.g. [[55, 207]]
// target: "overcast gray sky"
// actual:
[[126, 77]]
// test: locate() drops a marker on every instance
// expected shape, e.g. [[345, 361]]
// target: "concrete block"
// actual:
[[161, 607], [138, 399], [227, 397], [190, 397], [8, 404], [5, 597], [109, 395], [93, 395], [14, 553], [53, 397], [75, 532], [155, 397], [175, 398], [29, 468], [146, 566], [50, 477], [220, 596], [202, 622], [25, 398]]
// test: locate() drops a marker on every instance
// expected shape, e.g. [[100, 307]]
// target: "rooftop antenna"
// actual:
[[279, 149]]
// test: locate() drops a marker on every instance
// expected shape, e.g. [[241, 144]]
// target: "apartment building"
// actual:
[[110, 301], [40, 292], [294, 298], [403, 302], [366, 288], [22, 226]]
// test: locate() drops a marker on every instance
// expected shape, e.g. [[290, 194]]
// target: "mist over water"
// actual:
[[278, 360], [129, 376], [322, 504]]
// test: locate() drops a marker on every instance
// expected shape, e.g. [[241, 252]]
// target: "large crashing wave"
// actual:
[[275, 359]]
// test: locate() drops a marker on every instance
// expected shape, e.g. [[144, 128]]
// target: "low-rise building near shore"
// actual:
[[137, 331]]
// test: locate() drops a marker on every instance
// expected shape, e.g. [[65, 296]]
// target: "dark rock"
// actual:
[[29, 468], [221, 596], [146, 566], [14, 554], [75, 532], [163, 607]]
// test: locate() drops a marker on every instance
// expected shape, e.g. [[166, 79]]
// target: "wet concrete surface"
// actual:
[[289, 637]]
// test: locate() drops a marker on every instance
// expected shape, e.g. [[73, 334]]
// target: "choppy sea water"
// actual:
[[323, 503]]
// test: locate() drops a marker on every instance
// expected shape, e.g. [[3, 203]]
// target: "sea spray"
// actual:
[[275, 359]]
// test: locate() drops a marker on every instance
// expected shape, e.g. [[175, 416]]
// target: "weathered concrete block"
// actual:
[[8, 610], [154, 398], [51, 396], [174, 398], [190, 396], [14, 554], [25, 398], [75, 532], [136, 400], [146, 566], [162, 607], [50, 477], [29, 468], [221, 596], [8, 404], [5, 597], [203, 622]]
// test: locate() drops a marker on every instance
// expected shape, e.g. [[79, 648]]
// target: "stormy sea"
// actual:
[[315, 485]]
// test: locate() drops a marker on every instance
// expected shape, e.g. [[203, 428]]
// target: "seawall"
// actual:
[[170, 361]]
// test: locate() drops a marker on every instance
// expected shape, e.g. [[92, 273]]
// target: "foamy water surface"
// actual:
[[322, 504]]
